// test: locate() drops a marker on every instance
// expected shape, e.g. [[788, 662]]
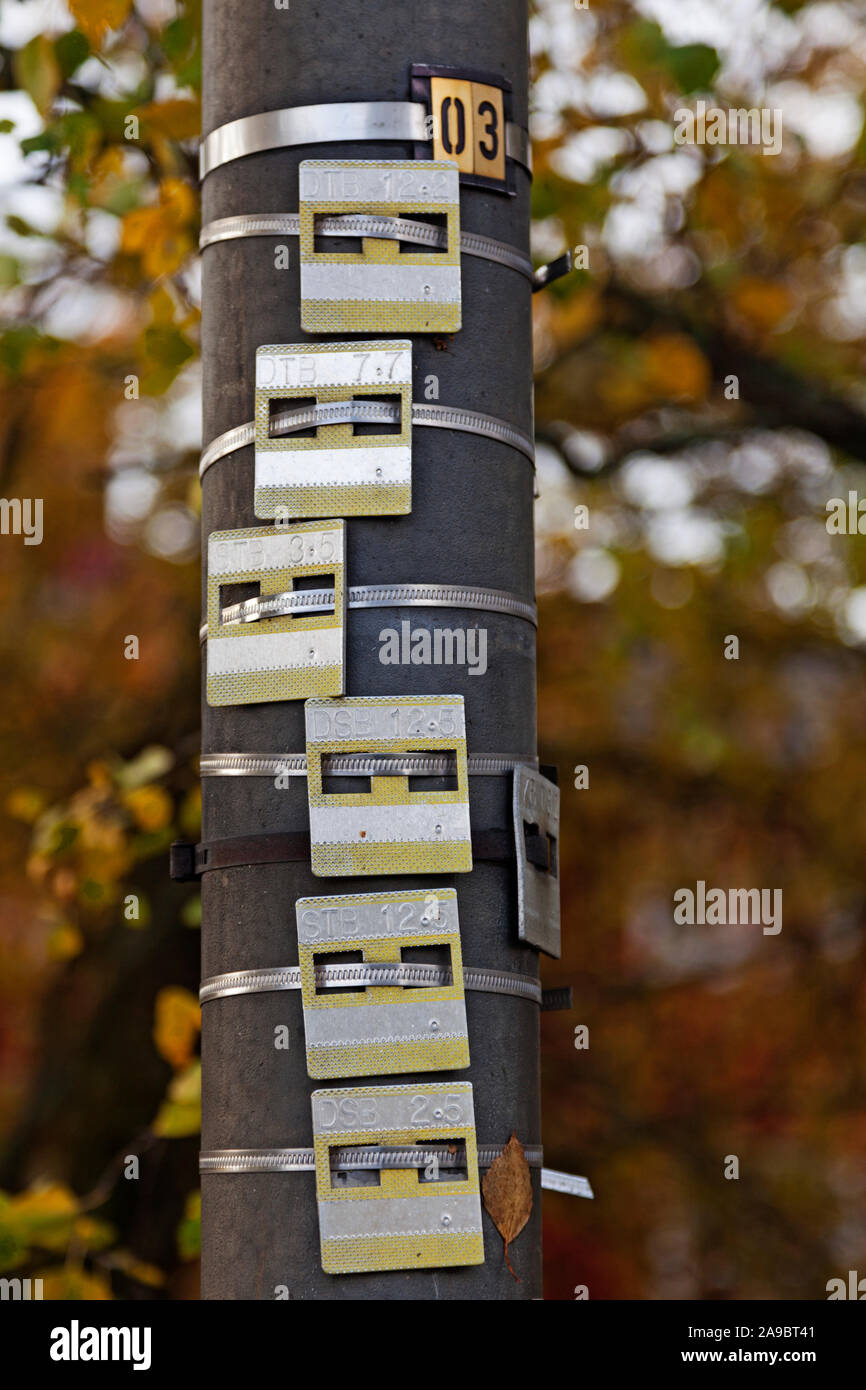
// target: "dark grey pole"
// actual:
[[471, 523]]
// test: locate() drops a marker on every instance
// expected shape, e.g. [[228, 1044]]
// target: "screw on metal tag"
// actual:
[[377, 1031], [390, 829], [536, 839], [257, 650], [409, 1218], [338, 470], [381, 288]]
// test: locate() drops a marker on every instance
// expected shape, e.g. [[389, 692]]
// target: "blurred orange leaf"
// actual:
[[95, 17], [177, 1024]]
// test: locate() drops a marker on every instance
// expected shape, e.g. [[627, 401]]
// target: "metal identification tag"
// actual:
[[536, 839], [413, 1217], [375, 1031], [260, 649], [344, 469], [390, 829], [469, 112], [380, 289]]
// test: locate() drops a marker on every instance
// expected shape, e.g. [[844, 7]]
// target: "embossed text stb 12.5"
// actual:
[[381, 1031]]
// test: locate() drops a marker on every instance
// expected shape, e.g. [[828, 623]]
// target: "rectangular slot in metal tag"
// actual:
[[340, 469], [377, 1030], [390, 829], [536, 839], [470, 111], [285, 657], [405, 1218], [386, 287]]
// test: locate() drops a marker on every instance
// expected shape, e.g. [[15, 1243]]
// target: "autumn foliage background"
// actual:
[[700, 394]]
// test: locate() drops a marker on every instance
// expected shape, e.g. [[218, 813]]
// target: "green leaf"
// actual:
[[694, 66], [180, 1113], [189, 1230], [20, 227], [37, 71], [6, 127], [190, 913], [71, 49]]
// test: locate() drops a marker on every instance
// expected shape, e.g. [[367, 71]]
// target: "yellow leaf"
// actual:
[[177, 1024], [25, 803], [180, 1113], [44, 1215], [65, 942], [162, 234], [95, 17], [675, 368], [71, 1282], [176, 119], [763, 302], [151, 807]]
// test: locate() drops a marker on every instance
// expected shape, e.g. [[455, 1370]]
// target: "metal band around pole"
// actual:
[[357, 765], [359, 1159], [332, 123], [366, 225], [355, 976], [339, 412], [406, 596], [349, 1159], [253, 610]]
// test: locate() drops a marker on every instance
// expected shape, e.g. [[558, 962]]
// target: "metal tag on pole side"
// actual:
[[390, 829], [412, 1218], [336, 470], [379, 1031], [536, 843], [258, 650], [379, 289]]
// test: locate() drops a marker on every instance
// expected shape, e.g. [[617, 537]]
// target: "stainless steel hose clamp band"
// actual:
[[333, 123], [369, 1157], [388, 596], [357, 765], [435, 416], [348, 1160], [367, 225], [364, 975]]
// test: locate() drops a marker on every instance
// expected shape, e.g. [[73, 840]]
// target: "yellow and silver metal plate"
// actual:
[[390, 829], [334, 470], [536, 838], [381, 288], [258, 649], [376, 1031], [414, 1217]]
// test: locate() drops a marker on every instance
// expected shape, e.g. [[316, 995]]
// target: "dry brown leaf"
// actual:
[[507, 1192]]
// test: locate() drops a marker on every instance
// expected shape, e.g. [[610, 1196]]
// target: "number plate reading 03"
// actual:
[[469, 112], [414, 1217], [381, 1030], [390, 829], [334, 470], [257, 657], [381, 288]]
